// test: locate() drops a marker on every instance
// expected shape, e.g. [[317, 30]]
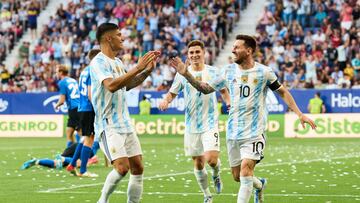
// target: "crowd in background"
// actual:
[[161, 25], [312, 44], [308, 43]]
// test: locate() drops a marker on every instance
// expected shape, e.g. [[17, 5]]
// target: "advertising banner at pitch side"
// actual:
[[328, 125]]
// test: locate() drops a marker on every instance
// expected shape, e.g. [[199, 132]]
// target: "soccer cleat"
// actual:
[[28, 164], [217, 184], [208, 199], [88, 175], [259, 193], [71, 169], [58, 162], [93, 160]]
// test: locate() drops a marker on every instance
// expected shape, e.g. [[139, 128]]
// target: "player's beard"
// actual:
[[240, 58]]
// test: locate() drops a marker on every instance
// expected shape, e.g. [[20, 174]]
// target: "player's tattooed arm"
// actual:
[[139, 78], [200, 86], [181, 68]]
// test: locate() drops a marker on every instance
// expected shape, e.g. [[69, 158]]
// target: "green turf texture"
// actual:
[[298, 170]]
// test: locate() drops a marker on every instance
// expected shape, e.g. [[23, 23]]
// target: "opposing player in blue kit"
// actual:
[[69, 93], [87, 116]]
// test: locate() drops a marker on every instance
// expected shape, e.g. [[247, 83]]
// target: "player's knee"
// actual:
[[121, 169], [137, 169], [199, 165], [212, 161], [236, 177]]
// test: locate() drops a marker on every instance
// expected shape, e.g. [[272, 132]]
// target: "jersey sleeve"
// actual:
[[218, 82], [177, 85], [271, 80], [100, 70]]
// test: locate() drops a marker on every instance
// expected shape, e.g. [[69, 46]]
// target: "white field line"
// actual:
[[222, 194], [190, 172]]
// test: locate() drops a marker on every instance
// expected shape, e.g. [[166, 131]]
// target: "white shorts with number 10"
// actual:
[[197, 143], [245, 149]]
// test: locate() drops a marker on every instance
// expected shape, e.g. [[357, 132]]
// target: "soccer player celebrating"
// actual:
[[69, 92], [201, 139], [87, 115], [248, 82], [109, 82]]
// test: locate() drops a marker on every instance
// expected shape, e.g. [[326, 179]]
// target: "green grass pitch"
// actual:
[[298, 170]]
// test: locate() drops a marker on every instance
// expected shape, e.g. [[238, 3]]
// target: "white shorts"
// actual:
[[196, 144], [245, 149], [118, 145]]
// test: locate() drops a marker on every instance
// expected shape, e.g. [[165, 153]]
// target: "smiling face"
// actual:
[[196, 55], [115, 39], [241, 52]]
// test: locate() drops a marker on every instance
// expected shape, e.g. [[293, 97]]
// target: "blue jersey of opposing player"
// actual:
[[69, 87], [84, 82]]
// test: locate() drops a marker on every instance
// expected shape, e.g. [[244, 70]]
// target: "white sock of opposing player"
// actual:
[[112, 179], [135, 188], [257, 183], [245, 190], [216, 169], [202, 179]]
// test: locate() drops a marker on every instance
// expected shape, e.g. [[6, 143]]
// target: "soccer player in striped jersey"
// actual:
[[248, 83], [109, 83], [87, 115], [201, 139], [69, 93]]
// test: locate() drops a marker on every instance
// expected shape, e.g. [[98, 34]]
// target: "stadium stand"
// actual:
[[311, 44], [291, 35], [162, 26]]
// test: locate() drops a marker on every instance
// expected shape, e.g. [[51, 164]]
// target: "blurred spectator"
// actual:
[[316, 104], [144, 106]]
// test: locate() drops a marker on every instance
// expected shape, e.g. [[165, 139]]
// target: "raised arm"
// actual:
[[182, 69], [289, 100], [114, 84], [139, 78]]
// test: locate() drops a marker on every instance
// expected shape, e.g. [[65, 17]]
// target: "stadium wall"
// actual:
[[34, 115]]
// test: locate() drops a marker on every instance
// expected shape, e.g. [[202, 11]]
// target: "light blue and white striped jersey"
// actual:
[[110, 108], [248, 89], [201, 113]]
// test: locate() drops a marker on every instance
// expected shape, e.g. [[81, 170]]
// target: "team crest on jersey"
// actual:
[[198, 78], [234, 81], [244, 78], [256, 81], [113, 150]]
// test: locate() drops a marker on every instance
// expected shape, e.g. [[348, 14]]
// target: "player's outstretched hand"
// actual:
[[163, 105], [149, 57], [304, 119], [179, 66]]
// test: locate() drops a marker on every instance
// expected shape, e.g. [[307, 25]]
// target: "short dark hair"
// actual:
[[318, 94], [249, 41], [103, 28], [92, 53], [194, 43]]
